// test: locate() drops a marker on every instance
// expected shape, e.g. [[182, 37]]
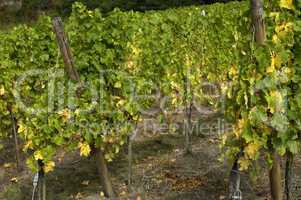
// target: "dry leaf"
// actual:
[[78, 196], [14, 180], [7, 165], [85, 183]]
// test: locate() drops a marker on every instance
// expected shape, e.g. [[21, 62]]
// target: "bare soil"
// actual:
[[161, 170]]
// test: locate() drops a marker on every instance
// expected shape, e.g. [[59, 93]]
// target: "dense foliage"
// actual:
[[122, 59], [264, 94]]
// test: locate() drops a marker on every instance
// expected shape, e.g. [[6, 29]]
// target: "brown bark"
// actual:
[[187, 119], [275, 178], [130, 160], [288, 174], [65, 49], [15, 134], [104, 173], [258, 21]]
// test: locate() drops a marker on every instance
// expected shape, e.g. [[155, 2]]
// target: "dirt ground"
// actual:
[[161, 170]]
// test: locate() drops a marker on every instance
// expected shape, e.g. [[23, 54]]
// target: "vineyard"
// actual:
[[197, 102]]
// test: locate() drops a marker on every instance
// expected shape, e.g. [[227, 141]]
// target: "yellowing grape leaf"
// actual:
[[117, 84], [65, 114], [21, 127], [243, 163], [38, 155], [174, 101], [108, 157], [49, 166], [288, 4], [77, 112], [117, 149], [84, 149], [275, 39], [120, 103], [2, 90], [275, 61], [275, 101], [233, 70], [28, 145], [237, 132], [241, 123], [252, 149]]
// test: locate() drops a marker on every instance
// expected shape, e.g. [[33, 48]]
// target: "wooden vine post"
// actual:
[[15, 134], [288, 174], [258, 21], [260, 36], [188, 112], [74, 76]]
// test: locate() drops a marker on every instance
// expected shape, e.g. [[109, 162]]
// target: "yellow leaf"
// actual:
[[2, 90], [21, 127], [65, 114], [108, 157], [7, 165], [117, 84], [277, 104], [277, 94], [117, 150], [224, 139], [233, 70], [288, 4], [275, 39], [241, 123], [84, 149], [237, 132], [243, 163], [238, 128], [135, 50], [14, 180], [276, 61], [38, 155], [120, 103], [270, 69], [49, 166], [283, 28], [174, 101], [252, 149], [28, 145], [77, 112]]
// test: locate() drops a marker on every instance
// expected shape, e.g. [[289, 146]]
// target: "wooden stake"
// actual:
[[288, 174], [275, 178], [65, 49], [74, 75], [15, 134], [104, 174], [258, 21], [130, 160]]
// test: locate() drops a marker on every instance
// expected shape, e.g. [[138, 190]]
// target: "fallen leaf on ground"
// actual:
[[85, 183], [14, 180], [7, 165]]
